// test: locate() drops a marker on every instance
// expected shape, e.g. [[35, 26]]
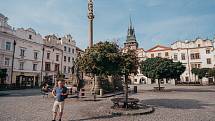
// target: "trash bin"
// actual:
[[82, 92], [135, 89]]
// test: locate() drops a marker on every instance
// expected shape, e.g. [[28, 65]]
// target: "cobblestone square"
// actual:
[[176, 104]]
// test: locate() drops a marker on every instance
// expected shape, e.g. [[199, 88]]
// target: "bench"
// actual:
[[121, 102], [157, 88]]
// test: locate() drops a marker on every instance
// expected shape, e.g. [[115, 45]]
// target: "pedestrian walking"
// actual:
[[60, 94]]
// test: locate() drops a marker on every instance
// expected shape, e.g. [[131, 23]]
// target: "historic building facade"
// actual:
[[52, 58], [6, 48], [198, 53], [27, 58], [69, 55]]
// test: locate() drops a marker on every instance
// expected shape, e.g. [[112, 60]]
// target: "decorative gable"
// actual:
[[159, 48]]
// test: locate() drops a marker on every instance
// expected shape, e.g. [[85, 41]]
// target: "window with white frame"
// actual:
[[208, 51], [69, 59], [8, 46], [21, 65], [69, 49], [22, 52], [7, 61], [64, 69], [35, 55], [34, 67], [175, 57]]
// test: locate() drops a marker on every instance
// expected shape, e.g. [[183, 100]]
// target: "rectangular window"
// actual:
[[69, 49], [73, 51], [21, 65], [57, 57], [47, 66], [195, 66], [159, 54], [8, 45], [175, 57], [64, 48], [152, 55], [166, 54], [7, 62], [65, 58], [68, 59], [22, 52], [35, 55], [208, 51], [34, 67], [30, 36], [68, 69], [64, 69], [73, 60], [48, 55], [195, 56], [208, 61], [183, 56], [56, 67]]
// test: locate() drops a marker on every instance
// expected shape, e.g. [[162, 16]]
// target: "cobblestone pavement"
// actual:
[[177, 104]]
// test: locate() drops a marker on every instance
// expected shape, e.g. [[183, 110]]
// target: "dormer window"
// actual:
[[30, 36], [199, 45]]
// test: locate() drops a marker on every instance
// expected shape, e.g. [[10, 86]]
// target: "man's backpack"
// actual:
[[65, 91]]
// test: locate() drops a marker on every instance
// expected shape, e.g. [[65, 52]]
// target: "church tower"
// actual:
[[131, 42]]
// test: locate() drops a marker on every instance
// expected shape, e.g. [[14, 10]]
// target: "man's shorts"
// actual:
[[58, 105]]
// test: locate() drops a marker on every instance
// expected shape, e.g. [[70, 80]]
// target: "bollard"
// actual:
[[82, 93], [135, 89], [101, 92]]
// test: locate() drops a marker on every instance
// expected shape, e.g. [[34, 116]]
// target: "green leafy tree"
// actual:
[[101, 59], [203, 72], [129, 65], [160, 68]]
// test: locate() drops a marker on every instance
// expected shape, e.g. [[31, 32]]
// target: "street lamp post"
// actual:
[[14, 47]]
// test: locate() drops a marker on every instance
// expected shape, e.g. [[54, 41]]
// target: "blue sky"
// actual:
[[156, 21]]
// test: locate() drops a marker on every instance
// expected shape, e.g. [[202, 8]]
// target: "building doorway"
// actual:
[[142, 81]]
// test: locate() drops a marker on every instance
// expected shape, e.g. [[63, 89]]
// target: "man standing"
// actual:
[[60, 93]]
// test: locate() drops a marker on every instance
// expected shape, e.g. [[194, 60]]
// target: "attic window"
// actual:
[[30, 36]]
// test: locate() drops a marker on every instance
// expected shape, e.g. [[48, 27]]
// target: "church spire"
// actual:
[[131, 30]]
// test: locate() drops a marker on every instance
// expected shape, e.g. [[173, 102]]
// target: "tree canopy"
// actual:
[[203, 72], [159, 68], [102, 58], [129, 63]]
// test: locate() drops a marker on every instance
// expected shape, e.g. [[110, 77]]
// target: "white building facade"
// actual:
[[27, 58], [6, 48]]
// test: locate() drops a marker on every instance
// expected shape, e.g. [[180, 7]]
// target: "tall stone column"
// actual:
[[90, 19]]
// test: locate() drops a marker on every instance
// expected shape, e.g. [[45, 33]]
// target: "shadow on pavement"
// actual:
[[97, 118], [176, 103], [192, 90], [20, 93]]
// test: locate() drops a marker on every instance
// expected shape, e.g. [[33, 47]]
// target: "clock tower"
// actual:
[[131, 42]]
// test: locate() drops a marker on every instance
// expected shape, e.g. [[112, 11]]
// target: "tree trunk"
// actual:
[[126, 91], [159, 85]]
